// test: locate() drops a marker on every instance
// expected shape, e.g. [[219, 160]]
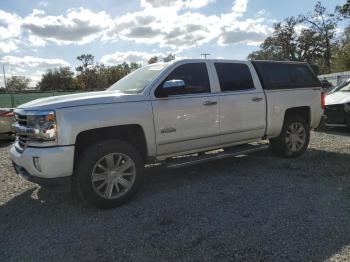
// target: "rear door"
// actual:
[[242, 102]]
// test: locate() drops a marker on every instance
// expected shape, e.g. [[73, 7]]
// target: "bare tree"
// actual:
[[325, 24]]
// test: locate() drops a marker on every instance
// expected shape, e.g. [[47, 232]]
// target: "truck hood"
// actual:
[[338, 98], [80, 99]]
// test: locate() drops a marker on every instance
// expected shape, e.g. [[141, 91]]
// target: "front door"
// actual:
[[188, 118]]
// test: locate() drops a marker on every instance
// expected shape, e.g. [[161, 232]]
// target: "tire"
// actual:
[[292, 142], [101, 178]]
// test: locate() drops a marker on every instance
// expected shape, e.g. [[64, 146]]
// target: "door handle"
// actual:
[[210, 103], [167, 130], [257, 99]]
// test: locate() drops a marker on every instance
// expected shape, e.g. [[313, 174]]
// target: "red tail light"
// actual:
[[323, 100], [7, 114]]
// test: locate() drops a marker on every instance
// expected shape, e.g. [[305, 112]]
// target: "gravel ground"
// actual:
[[255, 208]]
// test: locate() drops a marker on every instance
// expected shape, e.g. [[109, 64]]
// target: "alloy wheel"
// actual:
[[113, 175], [295, 137]]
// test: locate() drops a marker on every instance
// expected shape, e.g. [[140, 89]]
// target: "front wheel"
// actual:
[[108, 173], [294, 138]]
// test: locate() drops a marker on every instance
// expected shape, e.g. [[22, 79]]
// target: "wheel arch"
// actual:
[[302, 111], [131, 133]]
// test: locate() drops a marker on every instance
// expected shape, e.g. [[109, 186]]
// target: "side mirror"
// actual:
[[173, 84], [171, 87]]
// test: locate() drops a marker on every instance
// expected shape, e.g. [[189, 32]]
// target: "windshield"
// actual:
[[345, 88], [136, 81]]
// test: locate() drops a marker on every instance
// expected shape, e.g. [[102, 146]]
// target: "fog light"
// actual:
[[36, 162]]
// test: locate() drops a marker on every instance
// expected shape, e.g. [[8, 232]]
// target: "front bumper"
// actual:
[[337, 115], [55, 163], [57, 184]]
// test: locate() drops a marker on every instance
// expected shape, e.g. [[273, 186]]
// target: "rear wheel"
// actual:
[[294, 138], [108, 173]]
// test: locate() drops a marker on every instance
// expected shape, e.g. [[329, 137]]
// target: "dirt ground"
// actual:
[[254, 208]]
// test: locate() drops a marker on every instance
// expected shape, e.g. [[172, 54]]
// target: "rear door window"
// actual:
[[234, 76]]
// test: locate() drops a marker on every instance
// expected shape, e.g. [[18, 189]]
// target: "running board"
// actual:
[[183, 161]]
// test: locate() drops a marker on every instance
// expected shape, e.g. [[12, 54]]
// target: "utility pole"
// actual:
[[205, 55], [3, 72]]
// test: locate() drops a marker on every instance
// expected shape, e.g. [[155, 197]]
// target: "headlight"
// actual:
[[41, 125]]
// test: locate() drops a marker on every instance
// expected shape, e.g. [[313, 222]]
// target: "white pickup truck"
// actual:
[[99, 143]]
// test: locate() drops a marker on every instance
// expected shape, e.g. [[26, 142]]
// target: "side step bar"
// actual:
[[183, 161]]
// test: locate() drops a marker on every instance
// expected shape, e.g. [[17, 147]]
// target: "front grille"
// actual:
[[21, 119], [21, 138]]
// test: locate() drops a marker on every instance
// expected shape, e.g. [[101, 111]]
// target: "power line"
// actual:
[[3, 72], [205, 55]]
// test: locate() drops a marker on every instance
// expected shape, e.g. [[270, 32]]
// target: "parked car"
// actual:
[[326, 85], [337, 109], [7, 119], [98, 143]]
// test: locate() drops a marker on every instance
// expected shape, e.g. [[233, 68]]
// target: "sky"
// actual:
[[37, 35]]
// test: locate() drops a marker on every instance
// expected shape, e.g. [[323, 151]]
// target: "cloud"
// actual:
[[176, 25], [29, 66], [178, 4], [32, 62], [240, 6], [130, 56], [163, 25], [77, 26], [7, 47], [36, 41], [10, 25], [166, 29], [249, 31], [250, 38]]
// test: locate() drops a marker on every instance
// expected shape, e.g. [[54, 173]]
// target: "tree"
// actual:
[[134, 66], [286, 43], [309, 38], [17, 83], [325, 25], [108, 75], [168, 58], [309, 46], [99, 77], [344, 10], [281, 45], [86, 60], [153, 59], [57, 79], [341, 61], [86, 77]]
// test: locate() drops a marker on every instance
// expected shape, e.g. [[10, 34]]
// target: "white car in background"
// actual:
[[337, 109], [7, 119]]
